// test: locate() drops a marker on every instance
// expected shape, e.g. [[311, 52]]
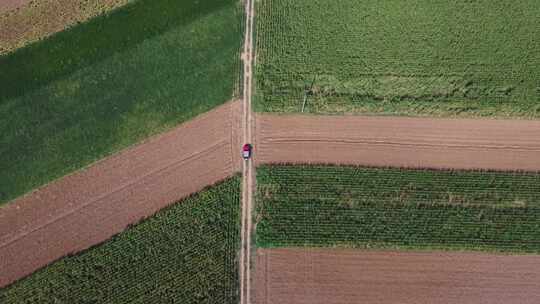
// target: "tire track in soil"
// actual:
[[90, 206], [399, 142]]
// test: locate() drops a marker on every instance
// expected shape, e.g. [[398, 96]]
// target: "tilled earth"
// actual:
[[399, 141], [296, 276], [8, 5]]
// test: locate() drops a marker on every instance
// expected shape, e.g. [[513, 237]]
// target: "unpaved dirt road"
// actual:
[[311, 276], [399, 141], [90, 206], [248, 171]]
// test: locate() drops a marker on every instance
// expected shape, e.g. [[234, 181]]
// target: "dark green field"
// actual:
[[106, 84], [395, 208], [186, 253], [422, 57]]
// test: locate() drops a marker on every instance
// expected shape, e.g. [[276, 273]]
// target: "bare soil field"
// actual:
[[25, 21], [288, 276], [8, 5], [399, 141], [90, 206]]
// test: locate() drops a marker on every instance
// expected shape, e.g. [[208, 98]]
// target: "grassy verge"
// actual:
[[396, 208], [433, 58], [184, 254], [106, 84]]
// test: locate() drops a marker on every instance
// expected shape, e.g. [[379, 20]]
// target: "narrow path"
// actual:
[[248, 168]]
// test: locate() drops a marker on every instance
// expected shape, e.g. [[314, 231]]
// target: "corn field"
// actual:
[[425, 57], [186, 253], [397, 208]]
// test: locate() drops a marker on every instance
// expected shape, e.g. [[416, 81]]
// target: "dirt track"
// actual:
[[398, 141], [288, 276], [90, 206], [248, 175]]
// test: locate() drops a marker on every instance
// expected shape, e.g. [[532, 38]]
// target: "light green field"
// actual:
[[106, 84], [419, 57], [186, 253], [328, 206]]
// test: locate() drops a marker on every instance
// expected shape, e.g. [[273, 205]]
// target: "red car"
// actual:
[[246, 151]]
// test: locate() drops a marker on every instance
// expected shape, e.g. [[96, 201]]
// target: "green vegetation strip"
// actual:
[[103, 85], [435, 58], [186, 253], [396, 208]]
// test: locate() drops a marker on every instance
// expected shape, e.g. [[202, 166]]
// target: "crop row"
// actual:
[[381, 207], [186, 253]]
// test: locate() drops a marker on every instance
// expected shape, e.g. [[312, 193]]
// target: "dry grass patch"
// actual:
[[39, 19]]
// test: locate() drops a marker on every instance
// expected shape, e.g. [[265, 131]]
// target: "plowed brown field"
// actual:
[[295, 276], [90, 206], [399, 141]]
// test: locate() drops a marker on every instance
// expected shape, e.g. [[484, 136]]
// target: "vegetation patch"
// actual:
[[101, 86], [432, 58], [36, 20], [332, 206], [186, 253]]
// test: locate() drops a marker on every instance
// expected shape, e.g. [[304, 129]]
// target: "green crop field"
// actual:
[[419, 57], [397, 208], [186, 253], [103, 85]]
